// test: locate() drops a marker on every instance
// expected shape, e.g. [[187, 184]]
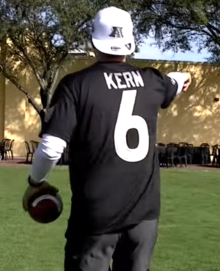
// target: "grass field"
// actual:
[[189, 238]]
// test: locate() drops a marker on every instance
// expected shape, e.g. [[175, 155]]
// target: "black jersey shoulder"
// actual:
[[92, 78]]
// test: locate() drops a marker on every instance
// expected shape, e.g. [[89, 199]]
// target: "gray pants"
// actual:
[[131, 250]]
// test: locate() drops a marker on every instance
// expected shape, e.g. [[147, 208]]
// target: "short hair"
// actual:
[[111, 56]]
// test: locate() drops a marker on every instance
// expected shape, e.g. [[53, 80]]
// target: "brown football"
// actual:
[[45, 207]]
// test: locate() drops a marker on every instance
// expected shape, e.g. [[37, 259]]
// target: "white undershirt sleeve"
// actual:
[[179, 78], [46, 157]]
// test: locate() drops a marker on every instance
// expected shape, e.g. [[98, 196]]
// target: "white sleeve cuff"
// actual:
[[46, 156], [179, 78]]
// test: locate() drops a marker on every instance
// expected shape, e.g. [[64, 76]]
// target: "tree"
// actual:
[[176, 25], [38, 34]]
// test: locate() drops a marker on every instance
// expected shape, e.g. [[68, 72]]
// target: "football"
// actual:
[[45, 207]]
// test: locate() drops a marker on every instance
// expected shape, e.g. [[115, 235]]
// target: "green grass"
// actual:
[[189, 237]]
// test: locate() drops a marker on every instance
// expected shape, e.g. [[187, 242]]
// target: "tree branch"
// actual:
[[35, 105], [13, 80], [16, 83], [212, 29], [22, 49], [53, 83]]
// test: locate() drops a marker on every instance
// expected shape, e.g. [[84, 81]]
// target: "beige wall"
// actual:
[[193, 117], [2, 90]]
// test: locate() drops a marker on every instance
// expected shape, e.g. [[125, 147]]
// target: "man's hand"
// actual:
[[31, 191], [188, 80]]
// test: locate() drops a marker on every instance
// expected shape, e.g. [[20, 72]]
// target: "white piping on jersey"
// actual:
[[46, 156], [179, 78]]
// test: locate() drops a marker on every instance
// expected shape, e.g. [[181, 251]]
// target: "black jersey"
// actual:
[[108, 115]]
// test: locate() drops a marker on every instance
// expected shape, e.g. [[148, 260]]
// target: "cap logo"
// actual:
[[116, 32], [128, 46], [114, 48]]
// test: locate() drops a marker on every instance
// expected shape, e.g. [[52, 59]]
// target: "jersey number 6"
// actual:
[[127, 121]]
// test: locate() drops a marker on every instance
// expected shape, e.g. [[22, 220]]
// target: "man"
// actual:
[[108, 115]]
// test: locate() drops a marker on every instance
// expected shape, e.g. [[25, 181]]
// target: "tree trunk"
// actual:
[[44, 97], [39, 110], [47, 93]]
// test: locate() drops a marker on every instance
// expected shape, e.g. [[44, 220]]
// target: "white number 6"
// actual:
[[127, 121]]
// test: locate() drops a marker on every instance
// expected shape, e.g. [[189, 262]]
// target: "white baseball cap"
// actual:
[[113, 32]]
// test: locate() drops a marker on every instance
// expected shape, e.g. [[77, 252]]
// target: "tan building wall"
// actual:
[[2, 92], [193, 117]]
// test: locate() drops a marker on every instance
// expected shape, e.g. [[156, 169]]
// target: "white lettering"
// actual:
[[128, 79], [109, 81], [118, 80], [124, 80], [126, 121], [138, 79]]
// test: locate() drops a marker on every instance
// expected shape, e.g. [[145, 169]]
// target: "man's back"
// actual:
[[113, 162], [108, 115]]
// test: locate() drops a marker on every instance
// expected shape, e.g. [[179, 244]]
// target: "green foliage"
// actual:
[[177, 24], [38, 34]]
